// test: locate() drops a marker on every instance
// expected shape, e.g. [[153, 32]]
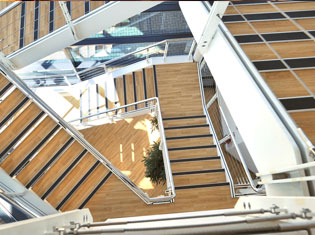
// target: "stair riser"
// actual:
[[180, 180], [181, 154], [196, 166]]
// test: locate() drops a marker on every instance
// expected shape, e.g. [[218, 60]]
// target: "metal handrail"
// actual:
[[113, 109], [12, 77], [120, 58], [135, 52], [306, 151], [216, 140], [239, 152], [163, 144]]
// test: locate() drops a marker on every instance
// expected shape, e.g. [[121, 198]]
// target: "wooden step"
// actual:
[[85, 188], [129, 91], [61, 191], [199, 141], [200, 165], [61, 165], [139, 88], [184, 121], [95, 190], [39, 160], [199, 177], [120, 91], [5, 85], [195, 153], [194, 130], [10, 102], [77, 185], [19, 127], [28, 145], [150, 82], [15, 112]]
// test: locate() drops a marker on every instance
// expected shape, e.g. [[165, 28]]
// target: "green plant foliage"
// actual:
[[154, 123], [154, 164]]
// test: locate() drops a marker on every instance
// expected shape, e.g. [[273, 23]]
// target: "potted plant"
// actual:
[[154, 164], [154, 124]]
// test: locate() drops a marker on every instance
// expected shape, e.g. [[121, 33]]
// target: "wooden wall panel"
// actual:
[[283, 84], [4, 4], [59, 17], [43, 18], [77, 9], [95, 4], [10, 30], [29, 23]]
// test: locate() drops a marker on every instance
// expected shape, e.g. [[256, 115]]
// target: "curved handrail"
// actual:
[[166, 159], [12, 77]]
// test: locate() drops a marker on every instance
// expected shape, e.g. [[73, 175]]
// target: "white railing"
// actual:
[[165, 49]]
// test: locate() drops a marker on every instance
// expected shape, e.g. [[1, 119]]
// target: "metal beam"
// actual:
[[67, 16]]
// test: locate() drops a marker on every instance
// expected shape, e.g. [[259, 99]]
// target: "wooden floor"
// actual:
[[124, 144], [284, 83], [179, 91], [121, 202]]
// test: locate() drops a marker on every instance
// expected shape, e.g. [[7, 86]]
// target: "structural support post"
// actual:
[[67, 16]]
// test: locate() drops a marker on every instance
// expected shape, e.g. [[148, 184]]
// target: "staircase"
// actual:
[[39, 153], [193, 155]]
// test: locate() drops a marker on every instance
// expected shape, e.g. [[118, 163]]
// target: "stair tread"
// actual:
[[176, 143], [18, 125], [43, 156], [150, 82], [182, 121], [57, 169], [10, 102], [192, 153], [5, 86], [71, 179], [187, 132], [3, 82], [139, 88], [85, 188], [195, 165], [28, 144], [196, 179]]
